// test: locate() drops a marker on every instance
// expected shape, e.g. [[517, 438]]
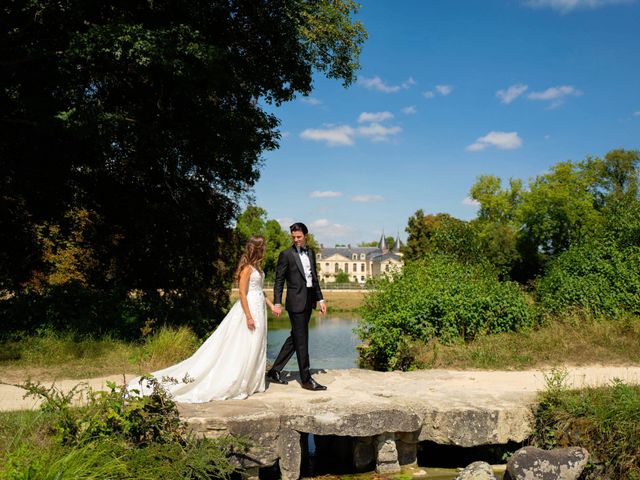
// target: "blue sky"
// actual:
[[450, 90]]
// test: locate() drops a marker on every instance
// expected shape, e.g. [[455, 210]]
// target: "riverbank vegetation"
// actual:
[[111, 435], [561, 257], [604, 420]]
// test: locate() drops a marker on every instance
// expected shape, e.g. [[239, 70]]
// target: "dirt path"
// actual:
[[450, 383]]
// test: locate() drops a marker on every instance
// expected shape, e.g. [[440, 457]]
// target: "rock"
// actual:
[[531, 463], [387, 460], [477, 471]]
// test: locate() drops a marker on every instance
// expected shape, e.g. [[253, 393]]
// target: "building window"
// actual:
[[337, 268], [354, 256], [355, 267], [362, 267], [362, 278], [326, 265], [355, 278], [362, 256], [386, 267], [346, 268]]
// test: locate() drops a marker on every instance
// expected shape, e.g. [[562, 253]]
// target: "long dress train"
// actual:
[[230, 364]]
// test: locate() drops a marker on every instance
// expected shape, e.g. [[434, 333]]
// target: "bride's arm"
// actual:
[[243, 286]]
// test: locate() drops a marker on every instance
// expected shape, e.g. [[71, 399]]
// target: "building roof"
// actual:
[[386, 256], [348, 252]]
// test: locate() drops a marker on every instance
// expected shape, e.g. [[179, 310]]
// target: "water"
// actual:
[[332, 342]]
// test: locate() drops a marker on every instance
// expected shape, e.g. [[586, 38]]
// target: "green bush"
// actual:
[[595, 276], [113, 435], [604, 420], [436, 298]]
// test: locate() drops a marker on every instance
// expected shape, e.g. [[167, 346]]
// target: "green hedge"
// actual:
[[596, 277], [437, 298]]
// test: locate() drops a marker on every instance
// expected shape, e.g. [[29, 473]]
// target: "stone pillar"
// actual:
[[407, 446], [364, 453], [290, 454], [387, 454]]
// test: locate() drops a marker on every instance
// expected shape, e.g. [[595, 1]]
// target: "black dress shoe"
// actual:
[[313, 385], [275, 377]]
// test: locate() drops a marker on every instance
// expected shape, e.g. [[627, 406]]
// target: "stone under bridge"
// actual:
[[385, 415]]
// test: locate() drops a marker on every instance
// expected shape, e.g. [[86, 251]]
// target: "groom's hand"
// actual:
[[323, 307]]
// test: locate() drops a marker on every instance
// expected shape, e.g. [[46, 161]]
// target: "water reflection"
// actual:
[[332, 342]]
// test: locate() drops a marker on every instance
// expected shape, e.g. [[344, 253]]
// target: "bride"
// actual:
[[231, 363]]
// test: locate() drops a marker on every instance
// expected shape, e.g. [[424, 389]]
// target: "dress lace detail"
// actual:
[[230, 364]]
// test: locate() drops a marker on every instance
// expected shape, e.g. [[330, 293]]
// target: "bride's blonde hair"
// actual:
[[252, 255]]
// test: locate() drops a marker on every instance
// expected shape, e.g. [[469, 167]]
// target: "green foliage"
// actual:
[[253, 221], [342, 277], [436, 298], [603, 420], [440, 234], [594, 276], [115, 435], [145, 122]]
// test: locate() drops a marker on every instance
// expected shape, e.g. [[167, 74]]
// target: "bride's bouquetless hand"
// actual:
[[250, 324]]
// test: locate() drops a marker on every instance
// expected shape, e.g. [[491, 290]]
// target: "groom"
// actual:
[[297, 266]]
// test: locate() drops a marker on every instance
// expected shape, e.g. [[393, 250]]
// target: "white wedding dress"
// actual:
[[230, 364]]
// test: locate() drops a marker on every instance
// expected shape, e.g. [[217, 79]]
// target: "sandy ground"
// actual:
[[441, 385]]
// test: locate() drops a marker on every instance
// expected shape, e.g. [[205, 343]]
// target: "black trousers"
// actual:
[[298, 342]]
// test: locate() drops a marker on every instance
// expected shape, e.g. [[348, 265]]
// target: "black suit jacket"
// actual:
[[290, 269]]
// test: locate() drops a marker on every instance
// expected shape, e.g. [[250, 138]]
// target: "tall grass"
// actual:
[[50, 354], [111, 436], [576, 341], [604, 420]]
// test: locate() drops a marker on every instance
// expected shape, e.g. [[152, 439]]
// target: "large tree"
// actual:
[[147, 120]]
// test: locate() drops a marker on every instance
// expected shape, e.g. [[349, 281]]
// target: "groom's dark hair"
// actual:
[[299, 227]]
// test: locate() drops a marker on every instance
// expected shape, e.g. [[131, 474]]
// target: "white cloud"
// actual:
[[444, 89], [334, 136], [376, 83], [286, 222], [410, 110], [344, 135], [408, 83], [374, 117], [555, 94], [510, 94], [500, 140], [636, 114], [321, 222], [367, 198], [325, 194], [323, 228], [566, 6], [377, 132], [311, 100], [471, 202]]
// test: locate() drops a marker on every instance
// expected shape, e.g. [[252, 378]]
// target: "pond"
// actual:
[[332, 342]]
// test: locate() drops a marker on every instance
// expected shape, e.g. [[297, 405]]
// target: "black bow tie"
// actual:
[[303, 250]]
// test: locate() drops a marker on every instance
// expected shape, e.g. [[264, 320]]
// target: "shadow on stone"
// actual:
[[432, 454]]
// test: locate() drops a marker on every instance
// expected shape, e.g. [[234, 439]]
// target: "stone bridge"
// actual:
[[386, 414]]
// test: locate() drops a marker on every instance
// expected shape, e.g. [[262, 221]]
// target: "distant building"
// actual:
[[360, 263]]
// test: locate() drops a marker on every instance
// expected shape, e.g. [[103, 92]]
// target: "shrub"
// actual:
[[595, 276], [113, 435], [604, 420], [436, 298]]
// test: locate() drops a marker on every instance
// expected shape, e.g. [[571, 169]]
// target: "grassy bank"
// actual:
[[603, 420], [112, 436], [562, 341]]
